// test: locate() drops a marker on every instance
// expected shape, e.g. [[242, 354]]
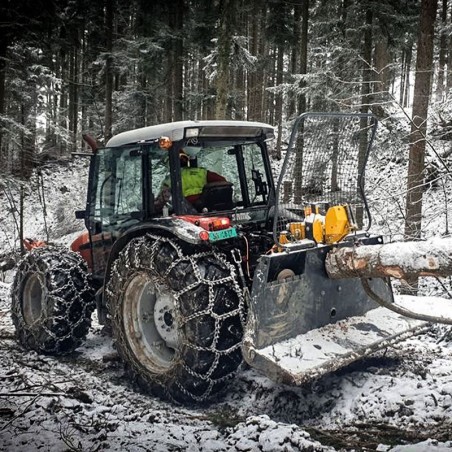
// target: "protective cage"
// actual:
[[324, 165]]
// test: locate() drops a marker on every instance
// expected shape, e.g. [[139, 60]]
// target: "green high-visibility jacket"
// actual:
[[193, 181]]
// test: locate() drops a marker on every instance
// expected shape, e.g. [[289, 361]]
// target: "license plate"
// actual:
[[224, 234]]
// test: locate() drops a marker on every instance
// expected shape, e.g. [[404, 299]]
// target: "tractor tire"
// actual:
[[177, 316], [52, 301]]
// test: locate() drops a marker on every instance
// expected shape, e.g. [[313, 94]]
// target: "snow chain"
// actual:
[[231, 280], [65, 290]]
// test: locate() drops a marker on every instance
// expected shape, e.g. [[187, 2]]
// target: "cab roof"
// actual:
[[212, 129]]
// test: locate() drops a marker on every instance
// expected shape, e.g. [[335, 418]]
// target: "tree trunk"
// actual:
[[239, 89], [73, 92], [422, 88], [262, 74], [140, 120], [254, 90], [402, 77], [449, 62], [63, 101], [109, 71], [365, 92], [302, 104], [406, 69], [240, 98], [295, 55], [405, 260], [279, 99], [382, 63], [223, 83], [84, 81], [442, 52], [3, 50], [168, 103], [176, 25], [422, 85], [303, 52], [257, 75], [271, 81]]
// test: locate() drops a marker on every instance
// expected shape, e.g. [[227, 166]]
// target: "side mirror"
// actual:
[[80, 214]]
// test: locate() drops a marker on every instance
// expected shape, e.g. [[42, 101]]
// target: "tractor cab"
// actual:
[[140, 177]]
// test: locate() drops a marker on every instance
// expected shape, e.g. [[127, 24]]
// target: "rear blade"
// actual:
[[310, 355]]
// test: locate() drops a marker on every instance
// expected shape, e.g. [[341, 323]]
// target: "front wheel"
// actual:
[[52, 300], [177, 317]]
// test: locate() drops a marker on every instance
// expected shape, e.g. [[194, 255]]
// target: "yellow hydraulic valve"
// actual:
[[297, 230], [314, 222]]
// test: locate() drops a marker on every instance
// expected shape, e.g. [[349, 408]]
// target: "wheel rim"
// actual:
[[33, 299], [150, 323]]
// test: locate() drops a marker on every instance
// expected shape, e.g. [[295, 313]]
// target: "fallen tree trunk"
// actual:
[[403, 260]]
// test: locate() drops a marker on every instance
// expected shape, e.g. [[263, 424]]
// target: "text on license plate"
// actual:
[[224, 234]]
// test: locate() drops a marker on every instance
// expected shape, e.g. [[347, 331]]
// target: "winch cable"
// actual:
[[401, 310]]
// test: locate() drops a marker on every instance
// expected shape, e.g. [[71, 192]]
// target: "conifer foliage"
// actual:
[[104, 66]]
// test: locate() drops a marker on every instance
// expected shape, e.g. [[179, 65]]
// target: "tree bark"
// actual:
[[279, 99], [382, 64], [176, 25], [303, 53], [223, 82], [253, 92], [406, 69], [257, 76], [63, 100], [294, 55], [73, 91], [449, 62], [404, 260], [442, 52], [109, 71], [422, 86], [366, 81], [3, 50]]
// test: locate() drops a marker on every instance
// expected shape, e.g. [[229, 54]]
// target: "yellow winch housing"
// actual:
[[330, 228]]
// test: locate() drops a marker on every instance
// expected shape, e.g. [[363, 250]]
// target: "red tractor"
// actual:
[[190, 287]]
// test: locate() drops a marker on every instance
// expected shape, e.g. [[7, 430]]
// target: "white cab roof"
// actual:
[[175, 130]]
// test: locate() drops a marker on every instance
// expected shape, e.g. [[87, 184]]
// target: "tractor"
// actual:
[[191, 288]]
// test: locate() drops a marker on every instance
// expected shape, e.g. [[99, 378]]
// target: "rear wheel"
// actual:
[[177, 317], [52, 300]]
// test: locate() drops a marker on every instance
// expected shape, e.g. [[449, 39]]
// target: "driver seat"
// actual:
[[215, 196]]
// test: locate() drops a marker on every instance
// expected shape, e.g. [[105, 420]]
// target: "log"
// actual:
[[401, 260]]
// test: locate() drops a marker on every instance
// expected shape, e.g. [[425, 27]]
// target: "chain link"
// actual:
[[64, 289]]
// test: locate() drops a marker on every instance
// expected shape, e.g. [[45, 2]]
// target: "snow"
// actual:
[[398, 399], [94, 404]]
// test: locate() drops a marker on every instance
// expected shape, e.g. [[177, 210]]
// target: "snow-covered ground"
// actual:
[[85, 403], [399, 399]]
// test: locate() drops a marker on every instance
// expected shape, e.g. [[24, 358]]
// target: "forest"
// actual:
[[101, 67], [70, 67]]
